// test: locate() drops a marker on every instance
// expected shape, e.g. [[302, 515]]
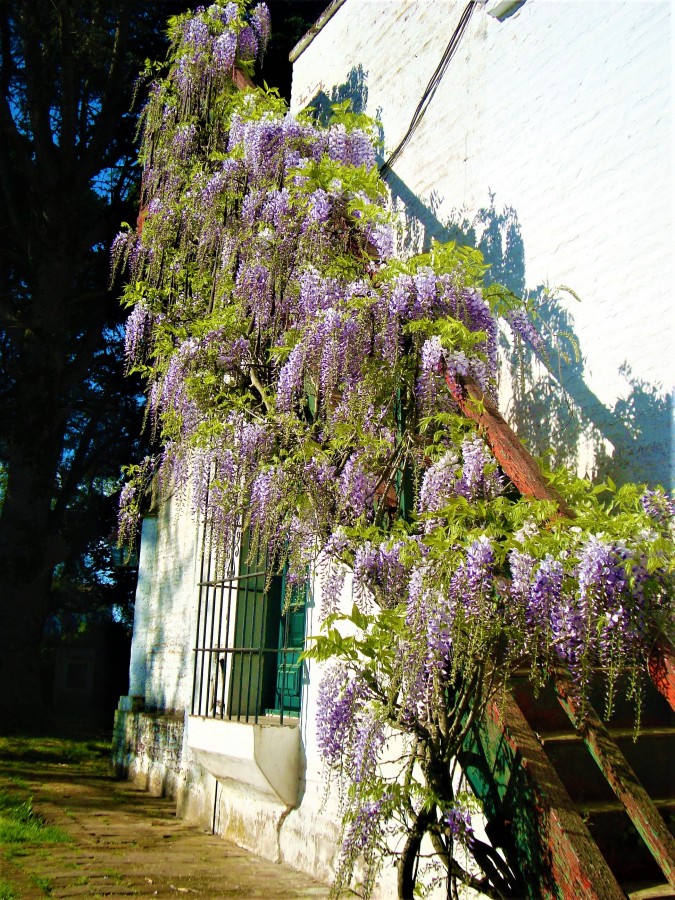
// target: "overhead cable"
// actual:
[[430, 89]]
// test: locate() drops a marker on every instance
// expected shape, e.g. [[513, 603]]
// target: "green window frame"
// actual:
[[250, 634]]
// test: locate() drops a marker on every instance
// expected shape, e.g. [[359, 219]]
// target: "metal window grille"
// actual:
[[249, 639]]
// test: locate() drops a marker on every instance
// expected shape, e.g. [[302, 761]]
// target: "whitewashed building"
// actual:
[[546, 138]]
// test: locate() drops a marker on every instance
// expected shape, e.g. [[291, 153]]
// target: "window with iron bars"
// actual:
[[250, 634]]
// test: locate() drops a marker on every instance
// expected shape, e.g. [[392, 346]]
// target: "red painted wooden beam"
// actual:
[[507, 448], [241, 79], [577, 868], [662, 668], [621, 778]]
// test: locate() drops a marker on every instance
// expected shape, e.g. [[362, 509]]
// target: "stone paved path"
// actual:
[[125, 842]]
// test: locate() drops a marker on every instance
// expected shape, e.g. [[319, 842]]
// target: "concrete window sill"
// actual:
[[265, 756]]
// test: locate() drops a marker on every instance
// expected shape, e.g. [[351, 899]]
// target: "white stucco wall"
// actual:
[[165, 608], [558, 120]]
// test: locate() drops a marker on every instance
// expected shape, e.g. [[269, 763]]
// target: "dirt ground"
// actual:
[[124, 842]]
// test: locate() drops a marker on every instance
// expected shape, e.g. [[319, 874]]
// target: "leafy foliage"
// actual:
[[298, 378]]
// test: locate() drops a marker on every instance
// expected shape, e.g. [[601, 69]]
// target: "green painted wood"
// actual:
[[254, 663], [291, 642]]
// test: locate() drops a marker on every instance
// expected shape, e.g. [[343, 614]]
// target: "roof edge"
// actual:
[[307, 39]]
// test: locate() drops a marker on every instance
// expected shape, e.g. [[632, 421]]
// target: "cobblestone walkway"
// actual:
[[125, 842]]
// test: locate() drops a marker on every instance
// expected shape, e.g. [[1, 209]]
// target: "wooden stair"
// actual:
[[580, 810]]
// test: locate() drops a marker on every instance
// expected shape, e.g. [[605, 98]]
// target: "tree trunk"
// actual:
[[25, 576], [407, 864], [34, 443]]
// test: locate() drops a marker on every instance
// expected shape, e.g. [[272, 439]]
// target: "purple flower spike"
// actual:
[[458, 821], [260, 20]]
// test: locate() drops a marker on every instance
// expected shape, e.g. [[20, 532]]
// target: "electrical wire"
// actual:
[[430, 89]]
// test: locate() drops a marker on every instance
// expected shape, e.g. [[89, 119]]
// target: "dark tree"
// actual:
[[291, 19], [68, 419], [67, 179]]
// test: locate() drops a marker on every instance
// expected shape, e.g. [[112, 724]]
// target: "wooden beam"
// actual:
[[662, 668], [516, 462], [620, 777], [556, 852]]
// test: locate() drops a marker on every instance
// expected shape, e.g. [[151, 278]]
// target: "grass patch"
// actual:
[[45, 884], [113, 876], [20, 824], [29, 749], [7, 892]]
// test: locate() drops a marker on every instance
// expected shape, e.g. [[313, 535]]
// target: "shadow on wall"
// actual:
[[552, 407], [353, 89]]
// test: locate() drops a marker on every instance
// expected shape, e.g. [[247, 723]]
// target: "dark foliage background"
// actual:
[[69, 418]]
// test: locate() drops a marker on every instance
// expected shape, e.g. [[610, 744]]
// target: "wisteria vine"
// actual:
[[297, 373]]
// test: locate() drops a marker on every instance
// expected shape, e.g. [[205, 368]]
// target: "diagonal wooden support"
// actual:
[[621, 778], [506, 446], [662, 668], [555, 852]]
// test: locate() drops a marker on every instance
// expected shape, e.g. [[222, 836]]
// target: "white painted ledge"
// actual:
[[265, 757]]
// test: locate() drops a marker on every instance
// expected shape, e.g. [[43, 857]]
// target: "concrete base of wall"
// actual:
[[151, 750]]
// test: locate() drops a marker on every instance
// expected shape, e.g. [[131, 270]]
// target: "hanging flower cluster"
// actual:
[[262, 297], [304, 382]]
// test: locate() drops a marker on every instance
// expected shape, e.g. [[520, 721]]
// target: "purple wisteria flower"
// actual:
[[341, 698], [472, 584], [228, 14], [523, 327], [659, 506], [358, 487], [545, 594], [432, 364], [367, 745], [476, 482], [382, 238], [248, 43], [364, 826], [183, 141], [319, 209], [137, 333], [120, 248], [522, 567], [438, 486], [128, 515], [291, 379], [260, 20], [425, 290], [225, 50], [351, 148], [196, 33], [458, 822]]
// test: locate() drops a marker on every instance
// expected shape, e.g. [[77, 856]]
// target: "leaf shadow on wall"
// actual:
[[353, 89], [553, 408]]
